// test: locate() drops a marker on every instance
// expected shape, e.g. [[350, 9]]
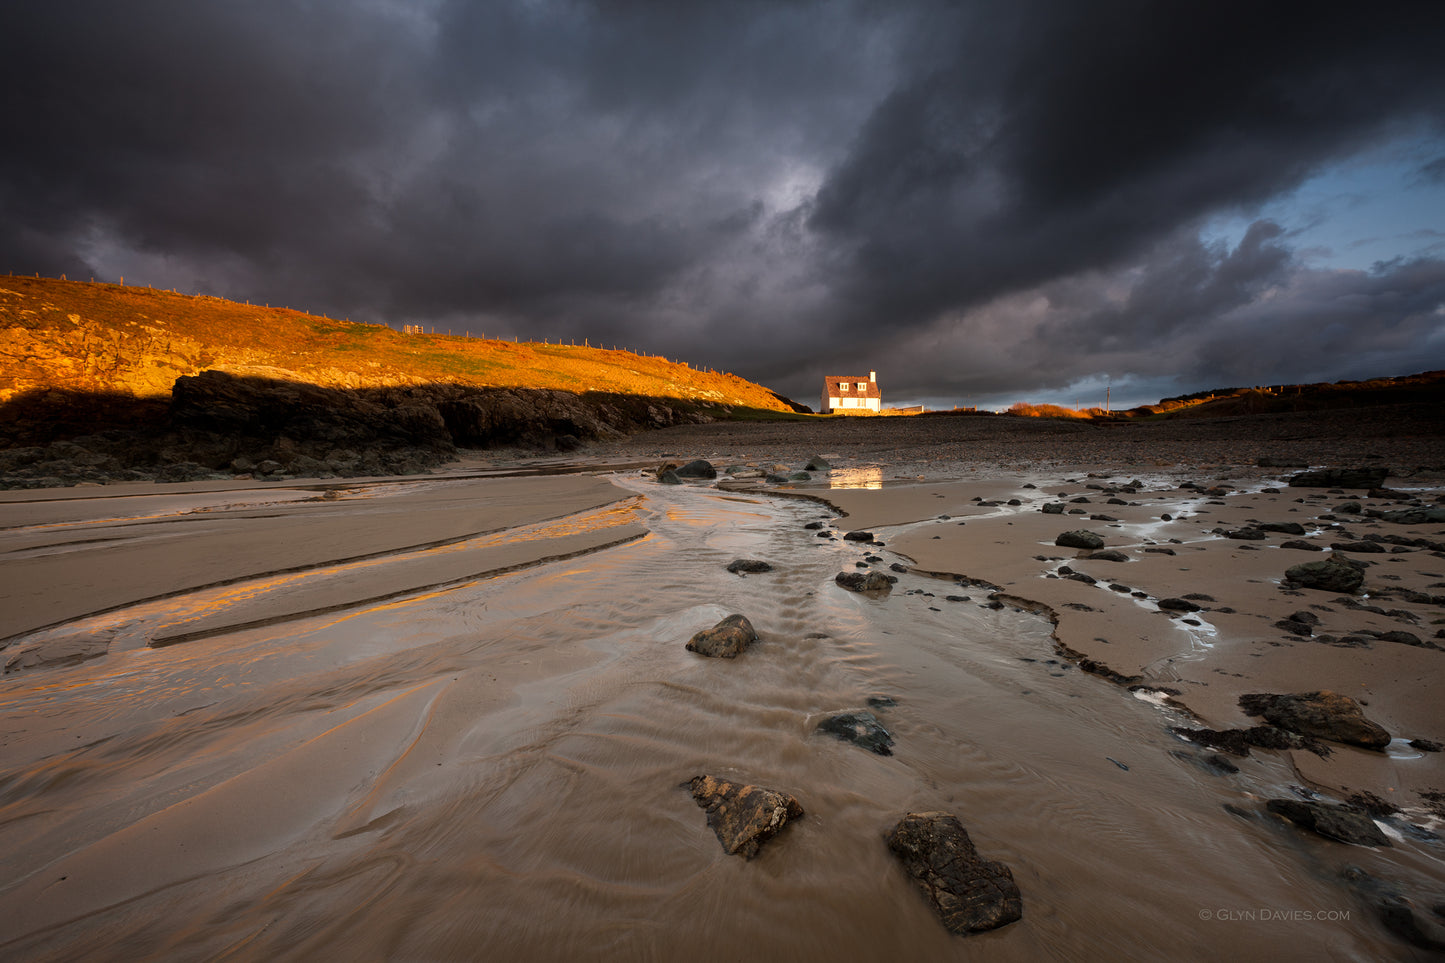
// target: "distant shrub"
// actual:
[[1046, 411]]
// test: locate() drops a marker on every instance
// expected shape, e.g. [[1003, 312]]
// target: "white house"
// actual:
[[845, 394]]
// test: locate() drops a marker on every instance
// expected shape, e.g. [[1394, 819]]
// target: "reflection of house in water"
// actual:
[[870, 477], [851, 394]]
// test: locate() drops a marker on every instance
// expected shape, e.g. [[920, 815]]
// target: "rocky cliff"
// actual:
[[101, 383]]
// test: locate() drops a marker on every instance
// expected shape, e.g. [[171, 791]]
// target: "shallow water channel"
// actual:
[[494, 770]]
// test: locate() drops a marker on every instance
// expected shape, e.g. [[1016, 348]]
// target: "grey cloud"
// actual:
[[981, 197]]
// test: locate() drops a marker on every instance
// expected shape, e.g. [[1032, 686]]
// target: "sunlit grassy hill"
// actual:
[[105, 337]]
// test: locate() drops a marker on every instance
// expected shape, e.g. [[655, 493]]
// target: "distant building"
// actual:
[[846, 394]]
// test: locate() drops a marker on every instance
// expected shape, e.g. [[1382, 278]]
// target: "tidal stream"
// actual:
[[493, 770]]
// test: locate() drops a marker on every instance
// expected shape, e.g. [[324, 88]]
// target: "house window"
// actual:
[[862, 386], [844, 386]]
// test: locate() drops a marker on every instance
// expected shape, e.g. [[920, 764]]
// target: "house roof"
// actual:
[[831, 385]]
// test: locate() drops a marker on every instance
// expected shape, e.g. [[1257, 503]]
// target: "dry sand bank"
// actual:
[[73, 553]]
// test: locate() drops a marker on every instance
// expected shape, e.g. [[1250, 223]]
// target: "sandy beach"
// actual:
[[219, 691]]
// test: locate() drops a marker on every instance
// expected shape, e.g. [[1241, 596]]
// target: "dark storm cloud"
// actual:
[[977, 198], [1071, 136]]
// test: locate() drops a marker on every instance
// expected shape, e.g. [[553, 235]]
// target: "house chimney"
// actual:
[[873, 376]]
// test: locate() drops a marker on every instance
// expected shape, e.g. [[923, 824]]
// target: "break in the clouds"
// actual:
[[984, 202]]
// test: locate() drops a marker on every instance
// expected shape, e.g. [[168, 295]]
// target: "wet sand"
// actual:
[[448, 717], [903, 474]]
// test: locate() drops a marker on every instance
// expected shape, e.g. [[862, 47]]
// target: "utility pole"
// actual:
[[1107, 390]]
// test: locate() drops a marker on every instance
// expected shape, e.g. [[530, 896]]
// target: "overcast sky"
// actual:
[[984, 202]]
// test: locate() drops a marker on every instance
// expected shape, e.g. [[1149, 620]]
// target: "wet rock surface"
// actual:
[[698, 468], [1107, 555], [748, 566], [726, 640], [743, 817], [861, 582], [1323, 714], [1340, 823], [1340, 478], [1327, 575], [860, 728], [1079, 539], [1238, 742], [969, 893]]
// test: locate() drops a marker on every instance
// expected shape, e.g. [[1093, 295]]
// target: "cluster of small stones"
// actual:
[[1308, 721], [968, 892]]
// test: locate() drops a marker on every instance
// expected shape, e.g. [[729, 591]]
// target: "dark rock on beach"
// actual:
[[1415, 516], [1323, 714], [1107, 555], [1301, 545], [1178, 605], [1327, 575], [697, 469], [1284, 528], [1079, 539], [1333, 822], [859, 582], [743, 817], [969, 893], [860, 728], [1340, 478], [725, 640], [1238, 742], [748, 566], [1372, 548]]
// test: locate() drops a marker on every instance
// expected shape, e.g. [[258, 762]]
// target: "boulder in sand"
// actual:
[[1323, 714], [1333, 822], [859, 582], [1107, 555], [1327, 575], [748, 566], [1340, 478], [817, 463], [1416, 516], [724, 640], [743, 817], [968, 892], [861, 729], [697, 469], [1080, 539]]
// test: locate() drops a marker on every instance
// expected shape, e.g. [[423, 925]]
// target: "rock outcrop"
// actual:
[[860, 728], [1340, 478], [726, 640], [1328, 575], [1323, 714], [1339, 823], [743, 817], [1080, 539], [968, 892], [861, 582]]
